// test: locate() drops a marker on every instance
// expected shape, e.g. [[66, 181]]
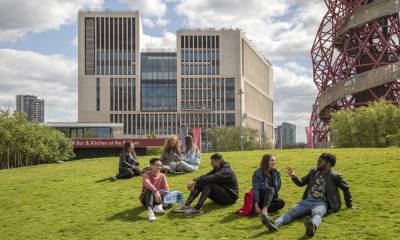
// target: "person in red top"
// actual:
[[155, 186]]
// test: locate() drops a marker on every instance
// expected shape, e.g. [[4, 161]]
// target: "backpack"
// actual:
[[248, 204]]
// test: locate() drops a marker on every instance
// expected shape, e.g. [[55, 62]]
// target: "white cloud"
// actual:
[[152, 11], [280, 29], [18, 17], [51, 77], [168, 40], [294, 95]]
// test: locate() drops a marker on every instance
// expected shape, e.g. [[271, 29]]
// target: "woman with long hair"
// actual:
[[191, 160], [171, 153], [266, 183], [128, 163]]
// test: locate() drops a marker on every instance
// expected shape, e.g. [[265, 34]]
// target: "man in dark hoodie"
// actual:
[[220, 185], [321, 195]]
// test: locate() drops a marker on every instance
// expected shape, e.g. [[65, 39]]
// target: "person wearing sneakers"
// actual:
[[220, 185], [266, 183], [155, 185], [321, 194]]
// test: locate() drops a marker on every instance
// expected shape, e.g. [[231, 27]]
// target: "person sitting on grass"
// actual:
[[171, 154], [191, 160], [220, 185], [128, 163], [155, 186], [320, 195], [266, 183]]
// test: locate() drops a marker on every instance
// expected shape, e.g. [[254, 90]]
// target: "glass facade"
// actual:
[[158, 81], [86, 132]]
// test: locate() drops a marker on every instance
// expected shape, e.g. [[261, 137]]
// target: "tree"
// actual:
[[375, 125], [23, 143]]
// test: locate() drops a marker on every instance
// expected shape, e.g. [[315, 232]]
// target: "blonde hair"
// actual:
[[168, 144]]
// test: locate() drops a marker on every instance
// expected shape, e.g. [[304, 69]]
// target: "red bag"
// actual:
[[248, 204]]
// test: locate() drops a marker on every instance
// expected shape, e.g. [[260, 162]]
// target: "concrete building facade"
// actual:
[[160, 91], [32, 106]]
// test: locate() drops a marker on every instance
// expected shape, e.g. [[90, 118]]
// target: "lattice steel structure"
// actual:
[[355, 58]]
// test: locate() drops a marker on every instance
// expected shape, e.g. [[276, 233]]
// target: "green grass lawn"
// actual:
[[75, 201]]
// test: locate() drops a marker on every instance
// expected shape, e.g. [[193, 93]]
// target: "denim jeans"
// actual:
[[183, 166], [316, 208]]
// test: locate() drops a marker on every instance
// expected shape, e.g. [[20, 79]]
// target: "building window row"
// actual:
[[122, 94], [170, 123], [207, 94], [200, 41], [110, 46]]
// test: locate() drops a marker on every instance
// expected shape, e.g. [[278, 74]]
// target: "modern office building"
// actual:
[[285, 135], [211, 79], [32, 106]]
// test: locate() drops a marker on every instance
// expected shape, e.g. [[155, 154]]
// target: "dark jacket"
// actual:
[[260, 182], [224, 176], [127, 160], [334, 181]]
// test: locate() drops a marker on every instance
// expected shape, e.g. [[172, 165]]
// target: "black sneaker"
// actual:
[[269, 223], [310, 226]]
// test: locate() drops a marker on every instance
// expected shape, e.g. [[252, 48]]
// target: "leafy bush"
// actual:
[[376, 125], [23, 143]]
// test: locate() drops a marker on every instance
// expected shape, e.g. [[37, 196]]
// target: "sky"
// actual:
[[38, 46]]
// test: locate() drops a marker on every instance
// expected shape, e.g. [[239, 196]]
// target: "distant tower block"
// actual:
[[355, 59]]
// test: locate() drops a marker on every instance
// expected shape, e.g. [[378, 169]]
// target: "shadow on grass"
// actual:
[[129, 215], [207, 208], [107, 179]]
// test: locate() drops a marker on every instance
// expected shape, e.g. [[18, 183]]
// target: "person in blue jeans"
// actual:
[[321, 195]]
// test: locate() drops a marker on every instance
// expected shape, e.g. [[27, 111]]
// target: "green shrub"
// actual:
[[376, 125], [23, 143]]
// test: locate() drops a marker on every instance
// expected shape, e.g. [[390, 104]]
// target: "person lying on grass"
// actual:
[[128, 163], [220, 185], [191, 159], [155, 186], [320, 195], [266, 183]]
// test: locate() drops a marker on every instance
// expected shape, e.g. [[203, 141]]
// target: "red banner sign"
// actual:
[[115, 142]]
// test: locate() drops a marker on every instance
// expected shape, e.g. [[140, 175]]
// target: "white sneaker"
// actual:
[[150, 215], [158, 209]]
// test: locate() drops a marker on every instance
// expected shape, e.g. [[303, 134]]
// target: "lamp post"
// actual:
[[241, 92]]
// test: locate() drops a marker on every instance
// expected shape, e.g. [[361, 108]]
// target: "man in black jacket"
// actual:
[[321, 195], [220, 185]]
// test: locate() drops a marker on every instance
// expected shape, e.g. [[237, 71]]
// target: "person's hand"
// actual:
[[257, 209], [157, 196], [290, 172], [190, 185]]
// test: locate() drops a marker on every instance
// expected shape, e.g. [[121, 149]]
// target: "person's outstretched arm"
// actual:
[[299, 182]]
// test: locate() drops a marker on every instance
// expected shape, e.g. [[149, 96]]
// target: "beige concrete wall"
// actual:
[[87, 83]]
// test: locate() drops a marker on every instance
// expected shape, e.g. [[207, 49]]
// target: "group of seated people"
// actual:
[[220, 185]]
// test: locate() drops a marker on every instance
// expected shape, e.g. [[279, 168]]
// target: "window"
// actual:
[[98, 94]]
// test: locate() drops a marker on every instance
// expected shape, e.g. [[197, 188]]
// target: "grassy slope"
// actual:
[[69, 201]]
